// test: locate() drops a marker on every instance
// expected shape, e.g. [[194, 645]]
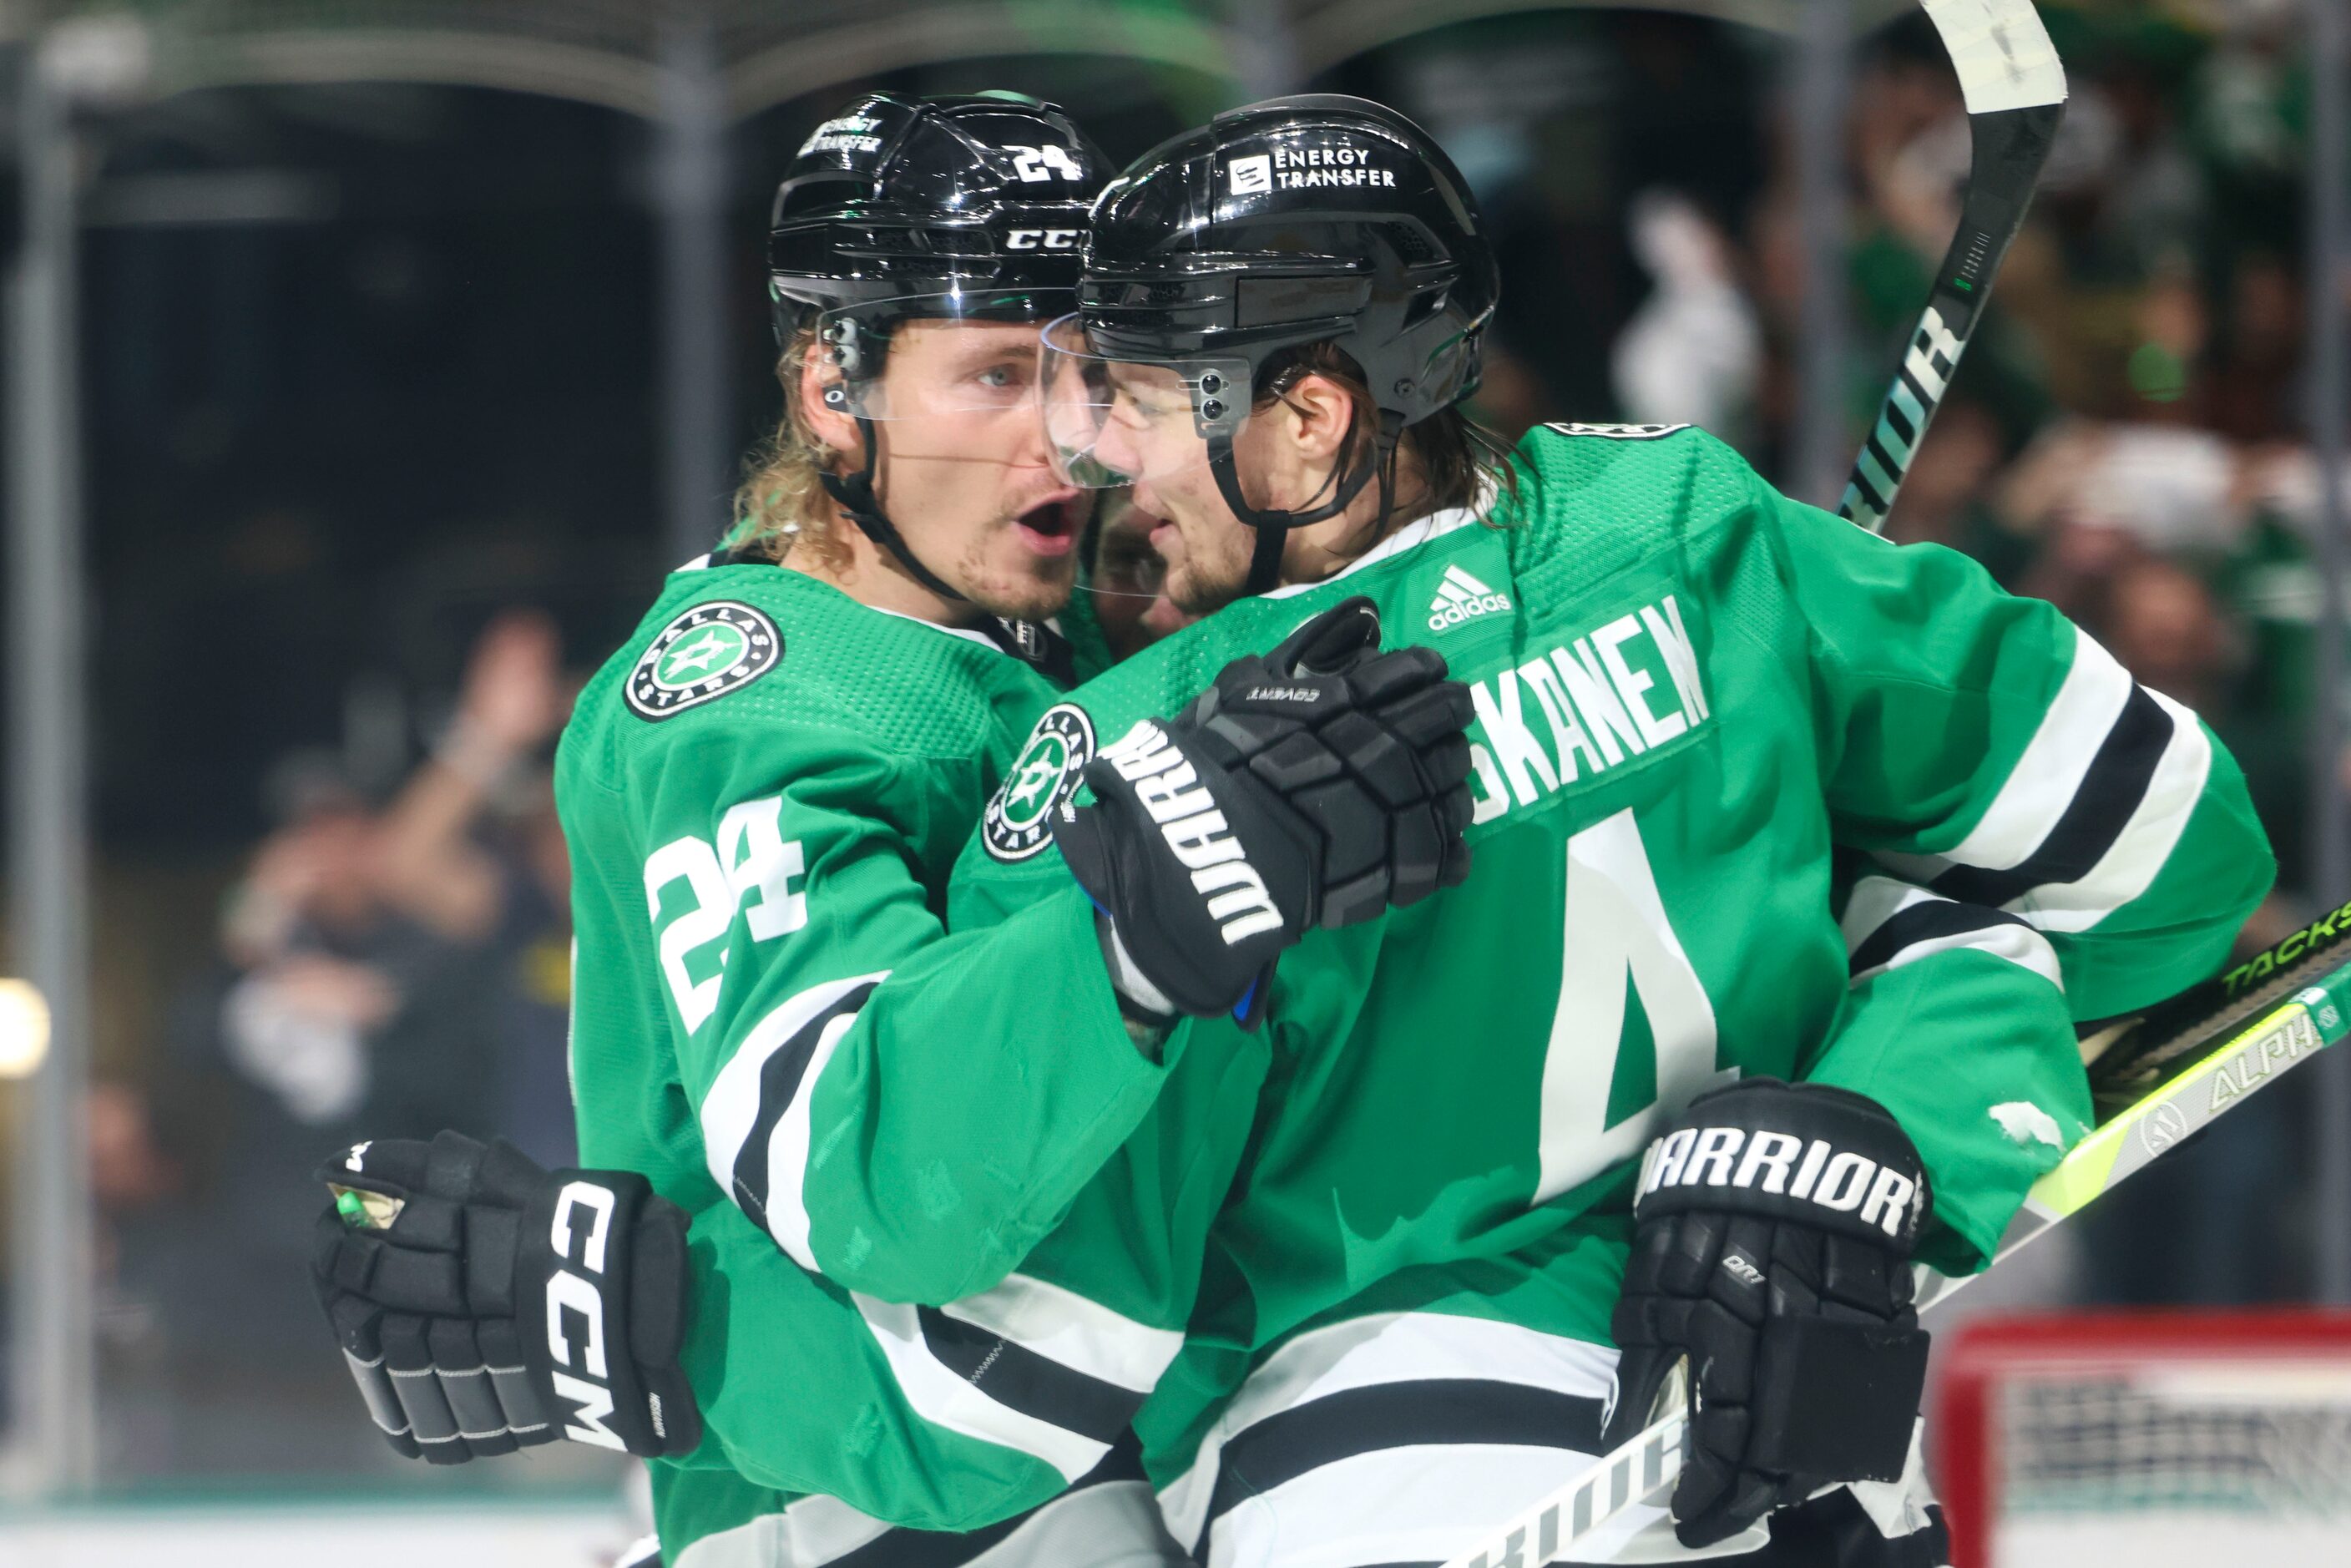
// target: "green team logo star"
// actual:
[[707, 652], [1038, 770], [716, 646], [1016, 823]]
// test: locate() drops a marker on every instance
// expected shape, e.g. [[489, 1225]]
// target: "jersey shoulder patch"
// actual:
[[707, 649], [1017, 822]]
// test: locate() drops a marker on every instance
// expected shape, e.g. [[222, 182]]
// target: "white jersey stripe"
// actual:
[[809, 1530], [2045, 783], [1410, 1503], [1110, 1525], [1065, 1327], [2050, 771], [787, 1149], [1429, 1502], [1874, 901], [1423, 1503], [1877, 900], [2020, 946], [2129, 866], [732, 1109], [1384, 1347], [945, 1399]]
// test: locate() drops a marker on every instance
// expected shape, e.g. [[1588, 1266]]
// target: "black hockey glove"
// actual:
[[1315, 786], [1773, 1227], [486, 1304]]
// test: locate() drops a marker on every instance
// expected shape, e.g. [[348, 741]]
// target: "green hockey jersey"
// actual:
[[1757, 793], [763, 792]]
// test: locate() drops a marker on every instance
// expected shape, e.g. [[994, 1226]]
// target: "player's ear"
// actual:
[[834, 427], [1320, 412]]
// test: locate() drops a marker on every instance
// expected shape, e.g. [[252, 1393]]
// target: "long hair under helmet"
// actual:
[[1310, 219], [956, 208]]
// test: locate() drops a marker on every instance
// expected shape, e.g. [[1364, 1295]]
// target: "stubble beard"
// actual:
[[1206, 580], [1037, 594]]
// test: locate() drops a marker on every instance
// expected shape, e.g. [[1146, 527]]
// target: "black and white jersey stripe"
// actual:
[[1888, 923], [2091, 811], [1028, 1366], [755, 1118], [1396, 1440], [1106, 1520], [1391, 1428]]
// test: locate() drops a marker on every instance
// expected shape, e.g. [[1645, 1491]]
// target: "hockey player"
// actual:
[[774, 1038], [1800, 855], [1401, 1398]]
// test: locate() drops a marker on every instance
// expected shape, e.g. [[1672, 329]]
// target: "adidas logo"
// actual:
[[1461, 597]]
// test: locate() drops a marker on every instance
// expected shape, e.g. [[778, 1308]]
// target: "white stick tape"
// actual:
[[2001, 52]]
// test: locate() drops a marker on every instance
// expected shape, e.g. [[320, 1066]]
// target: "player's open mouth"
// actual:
[[1051, 529]]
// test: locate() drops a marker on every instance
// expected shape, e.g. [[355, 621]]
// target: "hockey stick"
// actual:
[[2126, 1058], [2015, 88], [2215, 1064], [2015, 92]]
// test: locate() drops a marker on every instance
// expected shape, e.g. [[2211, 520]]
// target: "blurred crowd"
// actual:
[[389, 964], [2128, 438]]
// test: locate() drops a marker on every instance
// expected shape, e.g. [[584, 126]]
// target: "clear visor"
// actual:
[[1126, 565], [1111, 420], [929, 355]]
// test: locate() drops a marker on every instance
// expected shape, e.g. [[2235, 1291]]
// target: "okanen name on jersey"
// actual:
[[1598, 708]]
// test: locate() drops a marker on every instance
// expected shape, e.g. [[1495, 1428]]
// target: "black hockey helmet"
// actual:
[[952, 208], [1310, 219]]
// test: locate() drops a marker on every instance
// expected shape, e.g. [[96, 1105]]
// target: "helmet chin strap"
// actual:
[[854, 493], [1273, 525]]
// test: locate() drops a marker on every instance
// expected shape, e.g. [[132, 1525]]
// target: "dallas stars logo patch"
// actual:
[[702, 656], [1044, 776]]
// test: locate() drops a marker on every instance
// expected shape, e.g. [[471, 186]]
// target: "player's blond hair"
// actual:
[[782, 508]]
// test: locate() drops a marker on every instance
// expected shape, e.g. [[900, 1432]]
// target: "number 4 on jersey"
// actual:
[[750, 862], [1623, 974]]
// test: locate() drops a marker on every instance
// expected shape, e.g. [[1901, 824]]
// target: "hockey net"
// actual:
[[2177, 1438]]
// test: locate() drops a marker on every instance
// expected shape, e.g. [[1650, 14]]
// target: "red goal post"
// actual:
[[2158, 1432]]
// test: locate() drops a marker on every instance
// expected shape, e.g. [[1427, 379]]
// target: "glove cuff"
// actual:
[[1127, 978], [1820, 1155], [575, 1288], [1159, 853]]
